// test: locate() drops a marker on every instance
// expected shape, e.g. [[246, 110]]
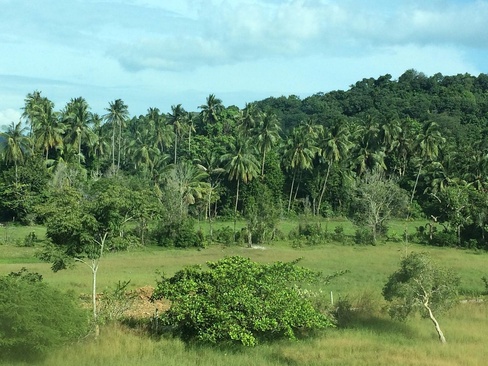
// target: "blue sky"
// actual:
[[155, 53]]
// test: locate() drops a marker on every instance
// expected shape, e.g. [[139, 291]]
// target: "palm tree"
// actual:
[[249, 119], [190, 184], [31, 101], [48, 131], [162, 131], [101, 143], [334, 146], [427, 145], [15, 145], [176, 118], [210, 163], [241, 164], [143, 151], [211, 111], [268, 134], [118, 113], [299, 152], [78, 118]]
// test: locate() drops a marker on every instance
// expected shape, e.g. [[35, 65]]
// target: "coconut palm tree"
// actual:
[[118, 113], [241, 164], [77, 119], [189, 181], [334, 146], [427, 145], [299, 152], [15, 145], [49, 130], [267, 135], [211, 110], [176, 119]]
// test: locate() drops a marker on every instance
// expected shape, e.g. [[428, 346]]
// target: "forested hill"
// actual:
[[450, 100], [427, 134]]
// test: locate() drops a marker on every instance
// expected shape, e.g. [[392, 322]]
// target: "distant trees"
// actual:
[[429, 132]]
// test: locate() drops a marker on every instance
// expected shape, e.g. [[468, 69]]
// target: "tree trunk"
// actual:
[[415, 185], [436, 324], [291, 190], [323, 187], [262, 163]]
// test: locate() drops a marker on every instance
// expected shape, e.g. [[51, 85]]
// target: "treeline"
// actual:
[[275, 157]]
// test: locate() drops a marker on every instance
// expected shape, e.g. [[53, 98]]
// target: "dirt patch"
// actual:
[[143, 307]]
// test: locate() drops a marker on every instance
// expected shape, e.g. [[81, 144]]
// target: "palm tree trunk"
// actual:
[[415, 185], [176, 146], [291, 190], [262, 163], [323, 187], [113, 144], [235, 210], [120, 138]]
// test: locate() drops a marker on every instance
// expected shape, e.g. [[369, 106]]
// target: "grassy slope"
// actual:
[[376, 340]]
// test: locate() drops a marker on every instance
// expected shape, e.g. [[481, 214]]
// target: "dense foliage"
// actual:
[[427, 134], [35, 317], [237, 300]]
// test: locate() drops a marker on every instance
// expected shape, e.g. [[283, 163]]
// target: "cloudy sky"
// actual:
[[156, 53]]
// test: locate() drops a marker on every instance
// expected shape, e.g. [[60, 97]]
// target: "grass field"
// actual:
[[372, 339]]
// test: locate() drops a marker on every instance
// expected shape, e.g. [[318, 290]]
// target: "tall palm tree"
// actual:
[[15, 145], [210, 163], [334, 146], [190, 182], [118, 113], [78, 118], [249, 119], [211, 110], [268, 135], [162, 131], [101, 144], [31, 101], [176, 119], [241, 164], [299, 152], [49, 130], [427, 145]]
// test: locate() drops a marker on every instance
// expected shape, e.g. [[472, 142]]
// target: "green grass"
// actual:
[[373, 339]]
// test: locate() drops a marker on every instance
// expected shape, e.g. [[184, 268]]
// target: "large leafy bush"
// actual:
[[238, 300], [34, 317]]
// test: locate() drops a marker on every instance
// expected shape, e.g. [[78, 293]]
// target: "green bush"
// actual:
[[309, 234], [35, 317], [179, 234], [240, 301], [363, 236], [224, 235]]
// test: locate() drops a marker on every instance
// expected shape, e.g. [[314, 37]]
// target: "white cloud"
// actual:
[[7, 116]]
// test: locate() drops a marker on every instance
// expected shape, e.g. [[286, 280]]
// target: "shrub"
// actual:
[[240, 301], [179, 234], [224, 235], [364, 236], [35, 317], [309, 234], [444, 239]]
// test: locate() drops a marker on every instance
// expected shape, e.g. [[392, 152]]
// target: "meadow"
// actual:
[[371, 337]]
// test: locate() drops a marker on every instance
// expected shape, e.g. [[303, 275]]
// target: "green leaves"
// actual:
[[237, 300], [35, 317], [419, 281]]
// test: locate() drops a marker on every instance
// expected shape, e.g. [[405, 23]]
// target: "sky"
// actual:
[[159, 53]]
